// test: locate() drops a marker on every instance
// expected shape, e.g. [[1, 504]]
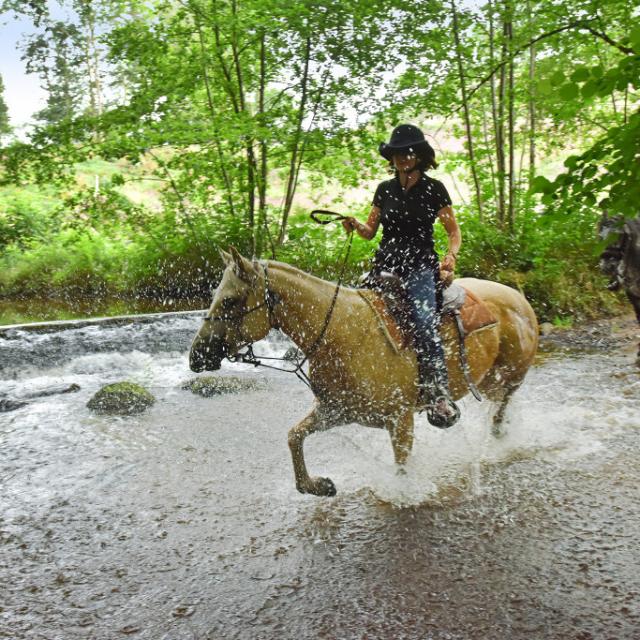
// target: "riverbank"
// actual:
[[614, 334], [39, 310]]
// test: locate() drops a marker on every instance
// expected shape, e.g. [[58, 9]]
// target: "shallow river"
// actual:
[[185, 523]]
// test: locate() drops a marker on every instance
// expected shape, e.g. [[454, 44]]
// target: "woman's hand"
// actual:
[[350, 224], [365, 230], [447, 267], [448, 263]]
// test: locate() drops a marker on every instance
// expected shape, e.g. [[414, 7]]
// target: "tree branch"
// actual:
[[578, 24]]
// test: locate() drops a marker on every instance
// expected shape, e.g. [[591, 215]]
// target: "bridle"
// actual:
[[271, 300]]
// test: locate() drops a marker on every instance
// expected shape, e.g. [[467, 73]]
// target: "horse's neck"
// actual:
[[304, 303]]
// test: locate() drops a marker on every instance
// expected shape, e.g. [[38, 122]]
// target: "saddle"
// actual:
[[389, 302], [469, 314]]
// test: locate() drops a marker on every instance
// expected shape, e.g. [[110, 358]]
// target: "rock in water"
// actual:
[[10, 405], [121, 398], [208, 386], [54, 391]]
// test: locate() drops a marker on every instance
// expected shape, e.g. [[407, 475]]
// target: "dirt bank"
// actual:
[[619, 334]]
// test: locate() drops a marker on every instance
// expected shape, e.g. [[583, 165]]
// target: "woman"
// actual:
[[407, 207]]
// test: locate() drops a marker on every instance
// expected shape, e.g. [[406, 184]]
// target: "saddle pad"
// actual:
[[474, 314]]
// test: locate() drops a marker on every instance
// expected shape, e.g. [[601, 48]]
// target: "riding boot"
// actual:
[[434, 396]]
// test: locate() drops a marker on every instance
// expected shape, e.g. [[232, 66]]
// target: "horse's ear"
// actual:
[[242, 267], [227, 258]]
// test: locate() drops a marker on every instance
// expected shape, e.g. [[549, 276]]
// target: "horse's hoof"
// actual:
[[498, 431], [322, 487]]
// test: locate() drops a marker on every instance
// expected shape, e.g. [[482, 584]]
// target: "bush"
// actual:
[[24, 215], [553, 261]]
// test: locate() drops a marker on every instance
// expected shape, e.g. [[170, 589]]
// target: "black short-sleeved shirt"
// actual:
[[407, 224]]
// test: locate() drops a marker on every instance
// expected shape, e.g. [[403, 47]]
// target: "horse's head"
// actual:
[[240, 313]]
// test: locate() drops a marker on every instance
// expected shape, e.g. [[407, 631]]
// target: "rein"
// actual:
[[333, 216]]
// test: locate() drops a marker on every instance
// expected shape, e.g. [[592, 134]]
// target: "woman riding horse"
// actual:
[[407, 207]]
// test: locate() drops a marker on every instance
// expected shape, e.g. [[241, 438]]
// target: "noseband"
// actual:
[[271, 299]]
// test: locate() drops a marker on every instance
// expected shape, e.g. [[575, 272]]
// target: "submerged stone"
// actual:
[[7, 404], [121, 398], [208, 386]]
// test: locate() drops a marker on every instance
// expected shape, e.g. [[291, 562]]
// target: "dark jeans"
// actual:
[[421, 291]]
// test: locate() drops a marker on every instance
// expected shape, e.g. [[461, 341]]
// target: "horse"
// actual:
[[621, 259], [356, 373]]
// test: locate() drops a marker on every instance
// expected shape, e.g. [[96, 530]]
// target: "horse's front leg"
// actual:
[[401, 432], [305, 484]]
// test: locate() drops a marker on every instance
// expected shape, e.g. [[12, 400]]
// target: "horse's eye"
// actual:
[[228, 303]]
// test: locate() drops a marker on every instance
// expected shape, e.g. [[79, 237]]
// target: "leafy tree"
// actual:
[[54, 56], [5, 126]]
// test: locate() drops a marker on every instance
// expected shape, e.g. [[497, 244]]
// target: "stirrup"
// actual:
[[431, 397], [439, 419]]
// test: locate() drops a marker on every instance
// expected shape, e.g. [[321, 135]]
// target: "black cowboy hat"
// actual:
[[406, 137]]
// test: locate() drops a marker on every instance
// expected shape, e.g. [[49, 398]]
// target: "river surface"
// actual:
[[184, 522]]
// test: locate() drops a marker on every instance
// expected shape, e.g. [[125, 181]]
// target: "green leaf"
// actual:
[[547, 199], [540, 184], [589, 88], [545, 87], [581, 74], [571, 162], [569, 91], [558, 78], [597, 71], [635, 39]]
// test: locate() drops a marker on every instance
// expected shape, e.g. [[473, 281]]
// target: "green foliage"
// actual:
[[69, 263], [5, 126], [552, 260], [321, 249], [607, 174], [229, 108], [25, 215]]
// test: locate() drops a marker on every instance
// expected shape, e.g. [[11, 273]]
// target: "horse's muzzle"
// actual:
[[207, 356]]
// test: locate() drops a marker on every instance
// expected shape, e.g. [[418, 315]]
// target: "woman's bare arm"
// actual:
[[366, 230], [448, 219]]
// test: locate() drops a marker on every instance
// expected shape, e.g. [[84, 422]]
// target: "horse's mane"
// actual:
[[283, 266]]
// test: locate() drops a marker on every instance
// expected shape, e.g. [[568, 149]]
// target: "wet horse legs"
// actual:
[[402, 437], [305, 484], [504, 394]]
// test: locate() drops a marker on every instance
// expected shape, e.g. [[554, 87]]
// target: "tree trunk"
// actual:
[[487, 144], [293, 165], [532, 103], [251, 158], [465, 104], [511, 120], [262, 181], [500, 141]]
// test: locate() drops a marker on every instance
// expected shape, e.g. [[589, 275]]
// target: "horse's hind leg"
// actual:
[[305, 484], [401, 432], [502, 395]]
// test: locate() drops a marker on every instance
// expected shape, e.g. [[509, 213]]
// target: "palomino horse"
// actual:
[[356, 373]]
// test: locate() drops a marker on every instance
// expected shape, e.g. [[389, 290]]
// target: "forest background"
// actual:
[[175, 127]]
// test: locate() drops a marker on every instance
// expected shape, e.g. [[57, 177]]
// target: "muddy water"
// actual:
[[184, 522]]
